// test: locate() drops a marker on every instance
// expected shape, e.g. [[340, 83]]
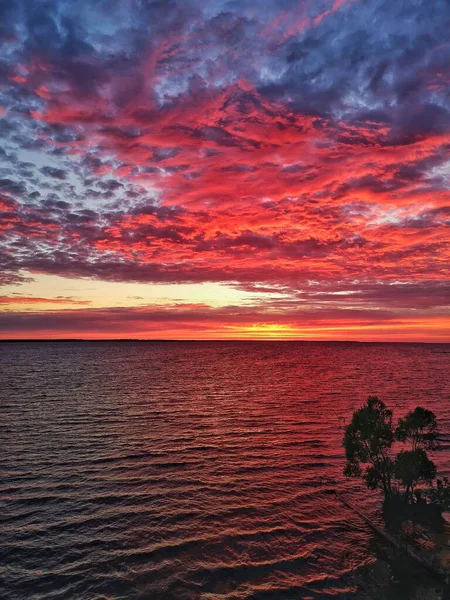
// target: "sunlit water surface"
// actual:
[[192, 470]]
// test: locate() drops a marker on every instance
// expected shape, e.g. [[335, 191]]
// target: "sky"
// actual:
[[224, 169]]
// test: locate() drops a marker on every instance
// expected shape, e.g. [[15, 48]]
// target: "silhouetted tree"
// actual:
[[440, 495], [420, 428], [367, 441], [413, 467]]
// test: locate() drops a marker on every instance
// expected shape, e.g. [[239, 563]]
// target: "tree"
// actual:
[[367, 441], [440, 495], [420, 428], [412, 467]]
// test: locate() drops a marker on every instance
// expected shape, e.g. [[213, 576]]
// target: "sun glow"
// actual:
[[267, 331]]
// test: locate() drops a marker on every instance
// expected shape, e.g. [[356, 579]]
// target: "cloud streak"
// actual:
[[33, 300], [260, 321]]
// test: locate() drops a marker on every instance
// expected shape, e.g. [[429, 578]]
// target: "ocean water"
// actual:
[[193, 470]]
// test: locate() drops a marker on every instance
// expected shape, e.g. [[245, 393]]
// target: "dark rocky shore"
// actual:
[[396, 576]]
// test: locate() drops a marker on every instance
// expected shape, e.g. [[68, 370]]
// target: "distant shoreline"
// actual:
[[150, 340]]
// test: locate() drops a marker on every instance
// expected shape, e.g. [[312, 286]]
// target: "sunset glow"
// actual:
[[225, 170]]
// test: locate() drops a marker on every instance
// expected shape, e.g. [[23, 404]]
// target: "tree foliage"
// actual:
[[440, 495], [420, 428], [367, 441], [413, 467]]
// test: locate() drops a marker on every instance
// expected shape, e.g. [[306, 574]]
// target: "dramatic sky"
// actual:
[[225, 169]]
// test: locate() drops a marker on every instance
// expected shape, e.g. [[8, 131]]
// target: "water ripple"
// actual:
[[192, 471]]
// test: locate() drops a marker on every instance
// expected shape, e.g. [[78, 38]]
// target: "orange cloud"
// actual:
[[32, 300]]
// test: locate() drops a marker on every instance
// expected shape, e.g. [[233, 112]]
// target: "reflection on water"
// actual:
[[192, 470]]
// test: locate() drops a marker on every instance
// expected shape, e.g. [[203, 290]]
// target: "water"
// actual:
[[192, 470]]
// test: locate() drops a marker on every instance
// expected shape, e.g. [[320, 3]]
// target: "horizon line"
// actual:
[[164, 340]]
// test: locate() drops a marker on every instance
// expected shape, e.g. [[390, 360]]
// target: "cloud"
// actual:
[[196, 321], [32, 300], [55, 173], [211, 142]]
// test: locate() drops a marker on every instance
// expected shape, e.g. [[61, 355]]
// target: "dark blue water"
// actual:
[[192, 470]]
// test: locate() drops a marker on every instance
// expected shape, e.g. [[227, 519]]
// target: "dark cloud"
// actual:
[[9, 186], [55, 173]]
